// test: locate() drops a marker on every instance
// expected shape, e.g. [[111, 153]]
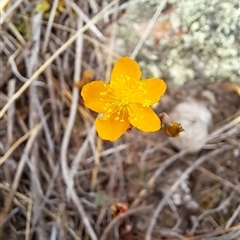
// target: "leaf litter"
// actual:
[[59, 181]]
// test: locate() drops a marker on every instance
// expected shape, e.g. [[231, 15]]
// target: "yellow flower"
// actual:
[[125, 101]]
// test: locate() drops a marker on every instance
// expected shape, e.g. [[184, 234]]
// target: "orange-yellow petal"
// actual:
[[111, 129], [125, 72], [143, 118], [91, 94], [154, 89]]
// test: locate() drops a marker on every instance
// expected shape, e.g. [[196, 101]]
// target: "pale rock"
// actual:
[[195, 119]]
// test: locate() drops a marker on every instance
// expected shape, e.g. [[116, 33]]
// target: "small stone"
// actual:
[[177, 200], [195, 119]]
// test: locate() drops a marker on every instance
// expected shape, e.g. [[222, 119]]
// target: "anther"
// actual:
[[103, 93]]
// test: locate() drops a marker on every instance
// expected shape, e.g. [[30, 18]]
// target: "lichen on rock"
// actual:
[[189, 41]]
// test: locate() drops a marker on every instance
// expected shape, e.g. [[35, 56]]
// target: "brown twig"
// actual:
[[120, 218], [53, 57], [21, 165], [65, 170], [183, 177]]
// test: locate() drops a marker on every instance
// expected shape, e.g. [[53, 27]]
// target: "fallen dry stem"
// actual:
[[120, 218], [63, 155], [182, 178], [11, 112], [94, 20], [49, 25], [19, 171], [219, 179], [9, 10], [148, 28], [28, 224], [135, 167], [96, 163], [19, 142], [177, 156]]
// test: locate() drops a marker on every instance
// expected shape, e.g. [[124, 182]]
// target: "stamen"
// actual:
[[146, 103], [118, 102], [135, 116], [123, 113], [103, 93], [114, 108]]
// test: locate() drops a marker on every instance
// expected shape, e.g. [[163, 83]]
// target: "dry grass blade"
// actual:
[[120, 218], [233, 217], [11, 112], [96, 163], [49, 25], [149, 28], [59, 180], [29, 214], [18, 142], [163, 202], [85, 18], [3, 4], [67, 177], [9, 10], [222, 206], [94, 20], [22, 162]]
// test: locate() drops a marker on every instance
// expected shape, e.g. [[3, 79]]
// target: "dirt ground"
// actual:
[[59, 180]]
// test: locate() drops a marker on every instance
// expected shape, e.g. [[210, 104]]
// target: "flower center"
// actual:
[[117, 102], [124, 101]]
